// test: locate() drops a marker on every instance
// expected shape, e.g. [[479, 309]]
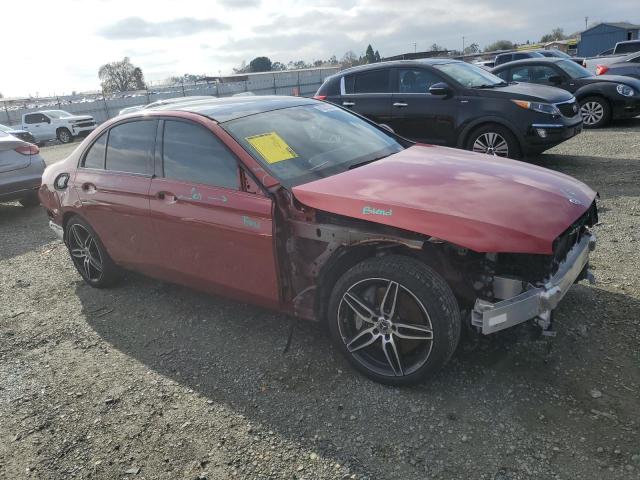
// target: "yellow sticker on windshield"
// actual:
[[271, 147]]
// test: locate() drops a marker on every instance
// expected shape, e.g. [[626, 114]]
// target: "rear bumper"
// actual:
[[538, 301], [545, 135], [17, 184]]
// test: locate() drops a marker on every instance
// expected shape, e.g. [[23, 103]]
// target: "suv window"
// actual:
[[131, 147], [35, 118], [416, 80], [630, 47], [374, 81], [95, 156], [533, 74], [194, 154]]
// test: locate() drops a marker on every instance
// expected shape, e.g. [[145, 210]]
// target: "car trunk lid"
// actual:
[[10, 159]]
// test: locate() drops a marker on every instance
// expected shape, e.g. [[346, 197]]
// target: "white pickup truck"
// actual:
[[51, 124], [611, 56]]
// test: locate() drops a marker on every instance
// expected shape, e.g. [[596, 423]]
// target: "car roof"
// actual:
[[398, 63], [538, 60], [230, 108]]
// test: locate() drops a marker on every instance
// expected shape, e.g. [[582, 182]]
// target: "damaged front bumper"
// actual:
[[533, 302]]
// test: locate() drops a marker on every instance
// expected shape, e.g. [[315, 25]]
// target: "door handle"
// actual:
[[89, 187], [348, 104], [400, 104]]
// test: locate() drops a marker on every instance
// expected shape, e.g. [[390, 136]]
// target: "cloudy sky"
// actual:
[[59, 45]]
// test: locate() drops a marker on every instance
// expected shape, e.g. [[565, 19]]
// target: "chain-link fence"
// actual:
[[102, 107]]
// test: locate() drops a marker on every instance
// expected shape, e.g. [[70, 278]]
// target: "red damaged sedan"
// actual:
[[300, 206]]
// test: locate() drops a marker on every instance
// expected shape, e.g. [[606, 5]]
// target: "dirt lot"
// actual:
[[150, 380]]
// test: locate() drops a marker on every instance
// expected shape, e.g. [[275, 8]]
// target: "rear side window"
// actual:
[[35, 118], [95, 156], [627, 47], [131, 147], [375, 81], [191, 153]]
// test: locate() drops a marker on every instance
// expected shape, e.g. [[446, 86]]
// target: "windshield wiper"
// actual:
[[360, 164], [491, 85]]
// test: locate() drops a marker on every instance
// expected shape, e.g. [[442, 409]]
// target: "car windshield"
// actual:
[[309, 142], [574, 70], [58, 113], [469, 75]]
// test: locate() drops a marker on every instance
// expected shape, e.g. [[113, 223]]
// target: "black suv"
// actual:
[[602, 98], [449, 102]]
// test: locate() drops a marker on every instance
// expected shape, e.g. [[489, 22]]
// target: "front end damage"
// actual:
[[498, 290]]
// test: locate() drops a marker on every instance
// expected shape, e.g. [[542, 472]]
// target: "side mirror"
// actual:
[[47, 120], [555, 79], [440, 88]]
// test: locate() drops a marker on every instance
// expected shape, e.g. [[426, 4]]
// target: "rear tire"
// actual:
[[89, 255], [494, 139], [410, 323], [595, 111], [31, 200], [64, 135]]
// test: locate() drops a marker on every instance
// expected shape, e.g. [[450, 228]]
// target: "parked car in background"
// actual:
[[486, 64], [602, 98], [511, 56], [47, 125], [16, 132], [555, 53], [612, 56], [166, 101], [303, 207], [21, 170], [628, 66], [457, 104]]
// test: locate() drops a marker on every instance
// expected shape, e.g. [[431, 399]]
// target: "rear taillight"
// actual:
[[29, 149], [320, 97], [601, 69]]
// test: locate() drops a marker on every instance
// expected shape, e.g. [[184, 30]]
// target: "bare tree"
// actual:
[[121, 76]]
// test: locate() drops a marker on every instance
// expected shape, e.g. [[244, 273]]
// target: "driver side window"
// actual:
[[416, 80]]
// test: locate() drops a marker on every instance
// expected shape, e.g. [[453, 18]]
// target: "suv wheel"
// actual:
[[89, 255], [64, 135], [494, 140], [596, 112], [394, 319]]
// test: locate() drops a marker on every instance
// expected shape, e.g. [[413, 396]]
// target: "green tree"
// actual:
[[438, 48], [377, 56], [276, 66], [369, 55], [471, 49], [121, 76], [349, 59], [556, 34], [500, 45], [260, 64], [298, 64]]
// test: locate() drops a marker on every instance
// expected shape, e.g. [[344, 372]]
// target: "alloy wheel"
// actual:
[[85, 253], [491, 143], [385, 327], [65, 136], [592, 113]]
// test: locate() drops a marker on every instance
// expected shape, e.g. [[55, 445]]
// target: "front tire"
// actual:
[[595, 111], [64, 135], [395, 319], [89, 255], [494, 139]]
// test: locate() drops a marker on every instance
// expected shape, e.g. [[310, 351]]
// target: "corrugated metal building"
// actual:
[[605, 36]]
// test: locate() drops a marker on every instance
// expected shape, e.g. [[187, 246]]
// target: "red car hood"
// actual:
[[480, 202]]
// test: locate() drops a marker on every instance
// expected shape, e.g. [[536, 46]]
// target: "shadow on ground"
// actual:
[[22, 229]]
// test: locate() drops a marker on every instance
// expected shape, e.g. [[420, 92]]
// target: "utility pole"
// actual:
[[415, 47], [462, 44], [586, 22]]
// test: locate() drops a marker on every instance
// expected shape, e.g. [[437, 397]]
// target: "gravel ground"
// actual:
[[151, 380]]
